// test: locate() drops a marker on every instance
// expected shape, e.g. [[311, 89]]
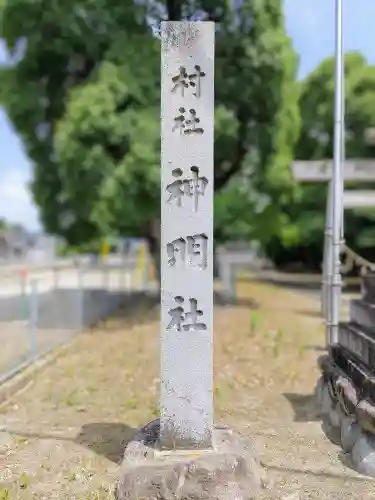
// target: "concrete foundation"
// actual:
[[229, 470]]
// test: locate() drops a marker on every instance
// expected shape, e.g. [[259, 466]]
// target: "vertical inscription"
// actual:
[[187, 111]]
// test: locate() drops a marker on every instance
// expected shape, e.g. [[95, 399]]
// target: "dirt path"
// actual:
[[64, 436]]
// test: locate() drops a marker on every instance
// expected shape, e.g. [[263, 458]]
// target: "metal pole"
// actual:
[[327, 256], [337, 183], [343, 133]]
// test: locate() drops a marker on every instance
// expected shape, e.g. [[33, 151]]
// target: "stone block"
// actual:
[[363, 454], [365, 413], [229, 470], [362, 313], [327, 404], [346, 395], [368, 287], [350, 432], [319, 393], [359, 373], [358, 340], [75, 308]]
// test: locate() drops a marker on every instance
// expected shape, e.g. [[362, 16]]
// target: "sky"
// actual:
[[309, 23]]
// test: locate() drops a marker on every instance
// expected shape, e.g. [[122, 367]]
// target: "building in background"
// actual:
[[19, 245]]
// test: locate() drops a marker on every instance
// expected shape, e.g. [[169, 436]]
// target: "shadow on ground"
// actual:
[[303, 406], [106, 439], [103, 438]]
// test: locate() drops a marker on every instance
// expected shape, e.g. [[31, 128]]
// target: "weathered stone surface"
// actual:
[[324, 363], [357, 339], [331, 423], [363, 454], [362, 313], [350, 432], [365, 413], [327, 404], [368, 287], [319, 393], [346, 395], [339, 416], [230, 470]]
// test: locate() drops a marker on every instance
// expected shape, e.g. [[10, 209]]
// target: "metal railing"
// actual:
[[42, 307]]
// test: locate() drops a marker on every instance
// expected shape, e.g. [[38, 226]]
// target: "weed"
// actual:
[[254, 323], [24, 481], [20, 440], [218, 392], [131, 404], [72, 477], [3, 410], [91, 389], [4, 493], [301, 350], [154, 409], [279, 335], [72, 398]]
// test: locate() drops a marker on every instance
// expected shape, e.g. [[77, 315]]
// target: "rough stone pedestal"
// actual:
[[352, 420], [229, 471]]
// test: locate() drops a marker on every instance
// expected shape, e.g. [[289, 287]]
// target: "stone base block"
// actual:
[[354, 436], [229, 470]]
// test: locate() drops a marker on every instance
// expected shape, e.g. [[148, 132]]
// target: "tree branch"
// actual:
[[174, 10], [239, 154]]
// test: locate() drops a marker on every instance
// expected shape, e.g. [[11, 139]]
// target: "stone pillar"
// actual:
[[187, 175]]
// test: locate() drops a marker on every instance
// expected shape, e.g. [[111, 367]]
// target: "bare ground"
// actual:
[[16, 343], [64, 435]]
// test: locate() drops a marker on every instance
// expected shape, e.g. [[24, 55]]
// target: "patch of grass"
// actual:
[[131, 404], [24, 481], [301, 350], [154, 410], [279, 335], [20, 440], [254, 323], [73, 398], [72, 477], [4, 493], [91, 388]]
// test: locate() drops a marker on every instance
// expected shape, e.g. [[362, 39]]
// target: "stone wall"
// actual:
[[63, 309], [346, 390]]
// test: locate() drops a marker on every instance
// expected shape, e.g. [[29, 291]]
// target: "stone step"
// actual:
[[368, 287], [362, 313], [359, 373], [359, 341]]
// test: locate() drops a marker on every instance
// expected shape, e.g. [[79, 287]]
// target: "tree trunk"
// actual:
[[153, 240]]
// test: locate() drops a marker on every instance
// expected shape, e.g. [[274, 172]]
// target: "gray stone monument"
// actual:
[[187, 127], [182, 455]]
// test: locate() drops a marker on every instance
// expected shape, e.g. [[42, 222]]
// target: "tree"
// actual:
[[84, 96], [307, 212]]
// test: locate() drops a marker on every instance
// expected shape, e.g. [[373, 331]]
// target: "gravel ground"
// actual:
[[63, 437]]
